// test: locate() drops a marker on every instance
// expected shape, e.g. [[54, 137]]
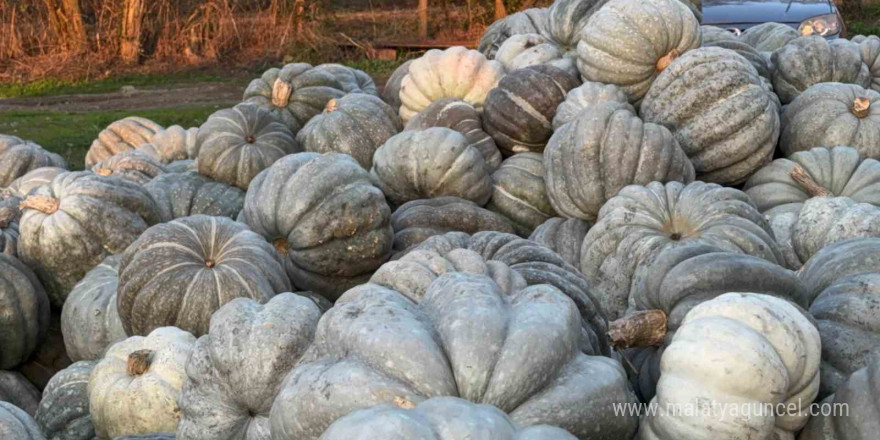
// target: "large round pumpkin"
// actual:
[[230, 385], [236, 144], [832, 114], [767, 37], [563, 236], [606, 148], [415, 221], [184, 194], [327, 220], [15, 389], [869, 48], [123, 135], [15, 424], [529, 21], [18, 157], [63, 413], [172, 144], [356, 124], [90, 319], [134, 166], [518, 192], [810, 60], [585, 96], [720, 111], [27, 318], [72, 224], [614, 51]]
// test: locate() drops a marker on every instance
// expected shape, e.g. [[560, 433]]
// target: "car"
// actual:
[[809, 17]]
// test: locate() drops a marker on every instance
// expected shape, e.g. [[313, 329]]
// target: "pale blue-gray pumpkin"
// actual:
[[583, 97], [90, 318], [15, 424], [416, 221], [767, 37], [190, 193], [563, 236], [18, 157], [63, 413], [529, 21], [810, 60], [519, 192], [869, 48]]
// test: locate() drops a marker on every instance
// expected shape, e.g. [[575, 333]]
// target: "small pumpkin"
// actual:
[[90, 319], [35, 178], [180, 195], [869, 49], [585, 96], [356, 124], [415, 221], [15, 389], [810, 60], [529, 21], [15, 424], [767, 37], [563, 236], [431, 163], [172, 144], [134, 166], [236, 144], [24, 327], [518, 113], [123, 135], [135, 388], [832, 114], [18, 157], [518, 192], [63, 412]]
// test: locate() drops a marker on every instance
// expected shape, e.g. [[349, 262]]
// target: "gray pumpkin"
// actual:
[[391, 91], [90, 319], [123, 135], [832, 114], [63, 412], [524, 50], [18, 157], [782, 220], [720, 111], [172, 144], [331, 225], [134, 166], [810, 60], [15, 424], [843, 283], [463, 118], [529, 21], [430, 163], [585, 96], [518, 192], [714, 34], [184, 194], [9, 216], [589, 160], [179, 273], [235, 144], [35, 178], [159, 436], [454, 418], [182, 166], [230, 386], [718, 37], [15, 389], [70, 226], [641, 221], [823, 221], [869, 48], [518, 113], [352, 80], [417, 220], [516, 349], [26, 327], [767, 37], [356, 124], [563, 236]]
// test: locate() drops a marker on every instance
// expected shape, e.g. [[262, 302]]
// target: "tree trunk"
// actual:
[[500, 11], [65, 19], [423, 19], [130, 33]]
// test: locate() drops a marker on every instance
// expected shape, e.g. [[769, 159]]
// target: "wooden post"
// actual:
[[131, 30], [65, 19], [423, 19], [500, 11]]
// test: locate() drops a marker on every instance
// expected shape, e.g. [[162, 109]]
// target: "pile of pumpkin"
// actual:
[[509, 243]]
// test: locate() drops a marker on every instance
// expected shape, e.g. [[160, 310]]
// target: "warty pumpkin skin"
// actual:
[[231, 384], [441, 418], [452, 73], [70, 226], [529, 21], [415, 221], [767, 37], [135, 388], [391, 91], [356, 124], [331, 225], [15, 424], [172, 144], [606, 148], [90, 318], [236, 144], [824, 221], [179, 273], [585, 96], [463, 118], [180, 195], [18, 157], [869, 48], [519, 193], [35, 178], [15, 389], [832, 114], [518, 113], [563, 236], [720, 111], [810, 60], [771, 355], [430, 163], [63, 412], [134, 166], [611, 51], [123, 135]]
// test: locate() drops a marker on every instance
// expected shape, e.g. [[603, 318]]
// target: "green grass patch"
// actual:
[[51, 86], [71, 134], [864, 22]]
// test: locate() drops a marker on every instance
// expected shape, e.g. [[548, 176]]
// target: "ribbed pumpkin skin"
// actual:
[[15, 389], [859, 395], [457, 417], [720, 111], [391, 91], [824, 221], [452, 73], [519, 193], [466, 337], [417, 220], [97, 217], [823, 116], [16, 424], [184, 194], [90, 319], [35, 178], [431, 163], [585, 96], [767, 37], [331, 225], [463, 118], [352, 80], [135, 166], [810, 60], [529, 21], [230, 385], [236, 144], [607, 147], [64, 411], [526, 50], [179, 273], [356, 124], [26, 327], [519, 112], [18, 157], [718, 37], [9, 216], [869, 48], [612, 51], [172, 144], [641, 221], [843, 281], [563, 236], [123, 135]]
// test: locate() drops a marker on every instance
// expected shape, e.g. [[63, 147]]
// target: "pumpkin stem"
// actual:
[[281, 93], [104, 171], [44, 204], [332, 105], [139, 362], [641, 329], [800, 175], [667, 59], [861, 107], [403, 403], [209, 263], [282, 246]]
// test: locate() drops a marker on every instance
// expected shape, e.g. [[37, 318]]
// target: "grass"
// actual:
[[71, 134], [51, 86], [864, 22]]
